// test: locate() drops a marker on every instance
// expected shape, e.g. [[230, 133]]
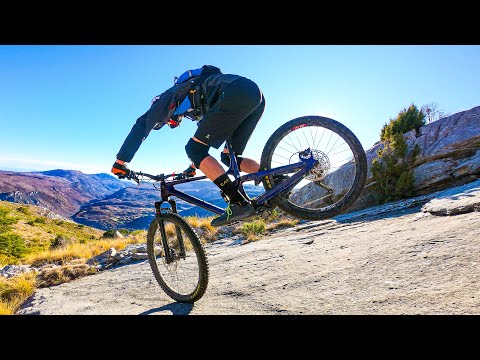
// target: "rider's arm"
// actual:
[[134, 139], [155, 118]]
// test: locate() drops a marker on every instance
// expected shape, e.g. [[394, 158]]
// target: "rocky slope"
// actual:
[[416, 256], [449, 155]]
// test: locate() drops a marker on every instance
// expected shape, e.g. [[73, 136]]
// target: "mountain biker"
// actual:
[[230, 108]]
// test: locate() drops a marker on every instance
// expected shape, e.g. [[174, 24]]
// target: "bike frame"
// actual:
[[306, 163]]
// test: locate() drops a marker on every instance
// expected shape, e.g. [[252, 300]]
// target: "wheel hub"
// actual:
[[321, 169]]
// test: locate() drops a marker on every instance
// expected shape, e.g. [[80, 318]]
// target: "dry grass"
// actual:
[[253, 229], [82, 251], [206, 232], [59, 275], [14, 291], [38, 232], [281, 224]]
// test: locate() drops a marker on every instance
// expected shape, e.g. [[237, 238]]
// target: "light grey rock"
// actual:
[[118, 256], [453, 203], [140, 256], [449, 156], [103, 257], [9, 271], [136, 248], [125, 260]]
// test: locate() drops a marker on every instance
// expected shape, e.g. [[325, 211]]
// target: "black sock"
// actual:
[[227, 186]]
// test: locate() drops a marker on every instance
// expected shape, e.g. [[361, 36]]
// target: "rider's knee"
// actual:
[[196, 152], [225, 158]]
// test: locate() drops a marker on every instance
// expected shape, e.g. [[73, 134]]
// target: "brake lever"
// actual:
[[133, 176]]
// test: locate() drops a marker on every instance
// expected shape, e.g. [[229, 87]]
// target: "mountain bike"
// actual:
[[312, 167]]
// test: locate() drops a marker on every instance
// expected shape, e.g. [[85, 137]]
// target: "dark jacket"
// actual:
[[162, 109]]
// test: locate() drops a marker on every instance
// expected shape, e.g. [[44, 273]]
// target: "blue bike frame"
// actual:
[[306, 163]]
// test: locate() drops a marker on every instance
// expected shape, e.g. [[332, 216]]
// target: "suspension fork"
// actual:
[[161, 225], [181, 244]]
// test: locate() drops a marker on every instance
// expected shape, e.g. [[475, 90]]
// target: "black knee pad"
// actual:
[[226, 159], [196, 152]]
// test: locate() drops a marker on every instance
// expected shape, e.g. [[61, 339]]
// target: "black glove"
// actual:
[[121, 171], [190, 172], [174, 121]]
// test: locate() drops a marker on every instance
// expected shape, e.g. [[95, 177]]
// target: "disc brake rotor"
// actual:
[[321, 169]]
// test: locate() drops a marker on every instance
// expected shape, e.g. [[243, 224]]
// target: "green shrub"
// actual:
[[109, 234], [60, 242], [12, 245], [5, 221], [24, 210], [407, 119], [391, 170], [124, 232], [253, 228]]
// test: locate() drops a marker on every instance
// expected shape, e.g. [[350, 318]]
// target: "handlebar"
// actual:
[[135, 176]]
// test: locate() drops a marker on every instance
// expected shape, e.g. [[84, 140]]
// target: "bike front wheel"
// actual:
[[177, 258], [337, 180]]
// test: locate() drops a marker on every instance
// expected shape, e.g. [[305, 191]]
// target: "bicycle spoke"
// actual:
[[321, 137], [181, 277], [328, 151], [332, 153], [286, 142], [293, 143], [306, 139]]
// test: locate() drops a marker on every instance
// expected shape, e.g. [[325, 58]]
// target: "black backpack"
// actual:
[[196, 77]]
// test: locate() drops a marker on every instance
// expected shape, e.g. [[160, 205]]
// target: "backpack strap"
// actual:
[[196, 92], [195, 96]]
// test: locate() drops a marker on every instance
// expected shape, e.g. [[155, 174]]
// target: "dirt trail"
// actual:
[[394, 259]]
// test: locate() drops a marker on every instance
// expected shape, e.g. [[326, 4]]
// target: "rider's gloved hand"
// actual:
[[120, 170], [174, 121], [189, 172]]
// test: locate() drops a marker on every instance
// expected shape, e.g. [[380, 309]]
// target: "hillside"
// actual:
[[62, 191], [38, 228], [417, 256], [101, 200], [133, 207]]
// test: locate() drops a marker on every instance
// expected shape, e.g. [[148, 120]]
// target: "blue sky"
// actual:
[[71, 106]]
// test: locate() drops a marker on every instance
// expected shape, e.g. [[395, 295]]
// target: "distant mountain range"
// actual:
[[101, 200]]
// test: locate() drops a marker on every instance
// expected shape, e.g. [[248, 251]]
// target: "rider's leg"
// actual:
[[239, 140], [235, 104], [246, 165], [240, 137], [198, 153]]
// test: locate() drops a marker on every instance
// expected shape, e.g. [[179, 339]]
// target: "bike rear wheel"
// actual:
[[334, 184], [185, 278]]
